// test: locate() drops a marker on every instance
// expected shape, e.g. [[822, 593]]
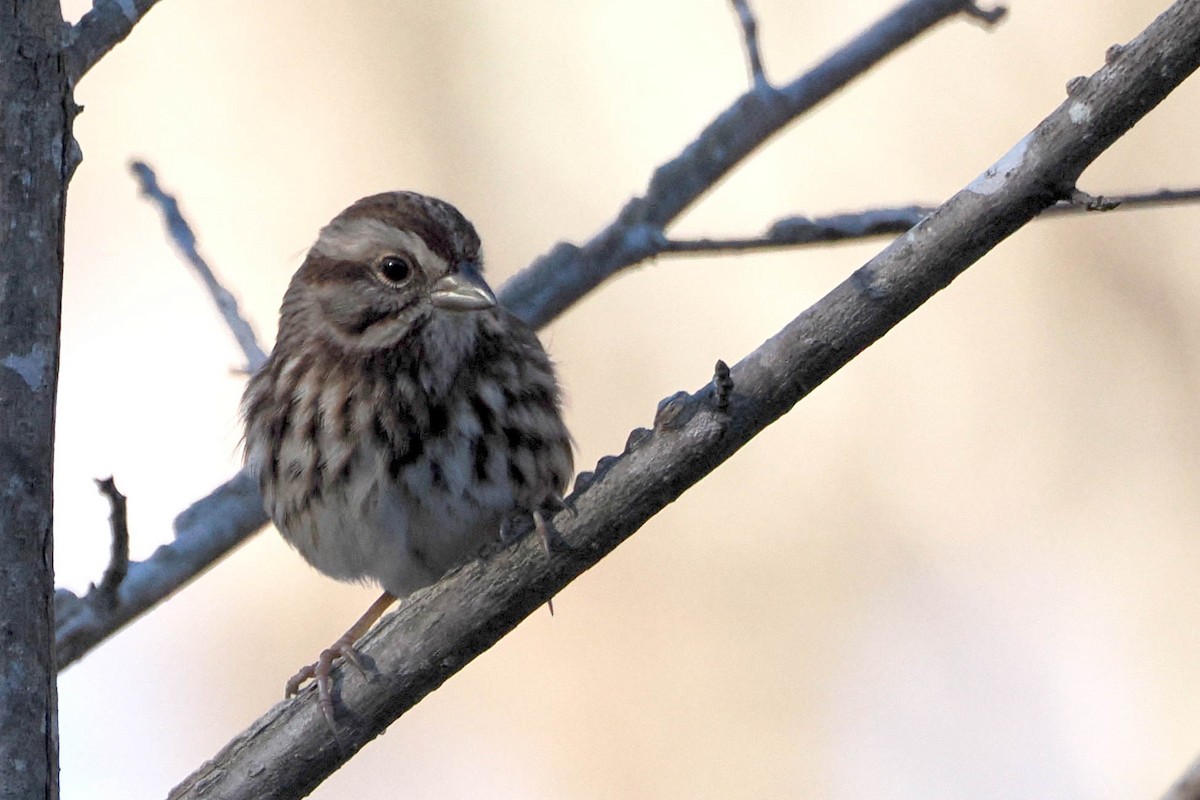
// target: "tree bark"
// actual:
[[35, 162]]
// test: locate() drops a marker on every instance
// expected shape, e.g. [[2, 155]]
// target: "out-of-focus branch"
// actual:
[[185, 239], [538, 294], [746, 19], [558, 279], [289, 750], [100, 30], [989, 16], [799, 231]]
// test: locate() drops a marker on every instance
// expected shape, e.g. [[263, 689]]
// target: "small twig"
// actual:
[[722, 386], [797, 231], [185, 239], [990, 16], [1081, 199], [750, 42], [118, 565], [1162, 197]]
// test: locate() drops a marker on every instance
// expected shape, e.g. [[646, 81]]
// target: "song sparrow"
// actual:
[[403, 416]]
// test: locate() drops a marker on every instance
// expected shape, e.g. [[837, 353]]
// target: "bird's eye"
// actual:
[[395, 268]]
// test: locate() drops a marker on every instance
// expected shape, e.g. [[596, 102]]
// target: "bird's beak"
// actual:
[[462, 291]]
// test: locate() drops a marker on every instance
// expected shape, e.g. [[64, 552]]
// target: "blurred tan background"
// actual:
[[965, 567]]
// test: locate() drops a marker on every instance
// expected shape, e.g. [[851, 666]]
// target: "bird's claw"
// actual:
[[322, 673]]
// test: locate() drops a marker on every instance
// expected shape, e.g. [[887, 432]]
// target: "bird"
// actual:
[[404, 417]]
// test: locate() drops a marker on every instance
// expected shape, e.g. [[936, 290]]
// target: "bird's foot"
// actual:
[[343, 648], [321, 672]]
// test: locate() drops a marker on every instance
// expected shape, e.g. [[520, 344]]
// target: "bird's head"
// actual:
[[383, 268]]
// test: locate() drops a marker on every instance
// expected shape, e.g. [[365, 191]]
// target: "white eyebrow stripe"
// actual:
[[364, 239]]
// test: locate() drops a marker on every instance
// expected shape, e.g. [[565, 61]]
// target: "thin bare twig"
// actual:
[[989, 16], [1162, 197], [538, 294], [799, 231], [118, 564], [100, 30], [185, 239], [290, 750], [750, 41]]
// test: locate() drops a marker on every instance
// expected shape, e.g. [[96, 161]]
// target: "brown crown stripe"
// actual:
[[444, 230]]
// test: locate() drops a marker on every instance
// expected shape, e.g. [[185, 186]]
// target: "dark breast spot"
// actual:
[[281, 424], [403, 457], [315, 423], [536, 394], [382, 438], [347, 416], [513, 436], [480, 457], [439, 420], [518, 438], [559, 481], [515, 474], [487, 419]]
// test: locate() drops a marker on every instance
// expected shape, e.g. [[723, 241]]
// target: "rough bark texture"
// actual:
[[35, 118]]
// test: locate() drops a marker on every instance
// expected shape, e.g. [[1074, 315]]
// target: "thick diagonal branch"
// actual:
[[539, 293], [289, 750]]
